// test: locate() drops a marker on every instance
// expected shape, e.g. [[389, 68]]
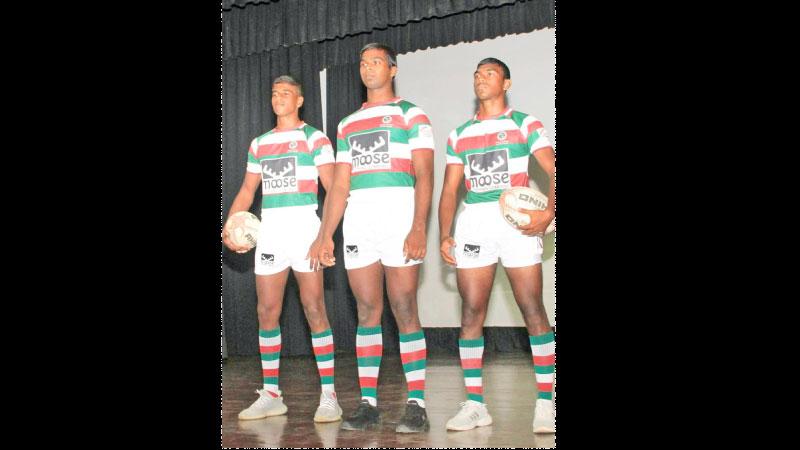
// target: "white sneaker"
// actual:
[[473, 414], [544, 417], [265, 406], [328, 410]]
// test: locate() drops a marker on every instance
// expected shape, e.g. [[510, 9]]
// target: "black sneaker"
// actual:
[[365, 417], [414, 420]]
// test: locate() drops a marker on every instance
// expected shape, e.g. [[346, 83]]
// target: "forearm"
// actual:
[[447, 210], [551, 193], [547, 161], [333, 210], [423, 192], [242, 202]]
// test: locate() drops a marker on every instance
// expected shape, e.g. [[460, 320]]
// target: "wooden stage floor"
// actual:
[[509, 391]]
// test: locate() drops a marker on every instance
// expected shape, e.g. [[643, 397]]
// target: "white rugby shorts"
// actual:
[[376, 224], [284, 238], [482, 236]]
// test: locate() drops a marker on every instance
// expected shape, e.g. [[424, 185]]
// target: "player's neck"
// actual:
[[490, 108], [288, 122], [380, 95]]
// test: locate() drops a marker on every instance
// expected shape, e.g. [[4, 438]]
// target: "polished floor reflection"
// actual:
[[509, 391]]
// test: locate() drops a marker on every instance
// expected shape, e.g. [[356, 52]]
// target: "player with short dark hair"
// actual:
[[384, 174], [286, 162], [490, 152]]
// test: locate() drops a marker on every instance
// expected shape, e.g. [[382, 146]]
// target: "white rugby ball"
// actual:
[[526, 198], [243, 228]]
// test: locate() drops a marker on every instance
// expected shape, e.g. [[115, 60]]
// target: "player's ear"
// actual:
[[393, 71], [506, 84], [300, 101]]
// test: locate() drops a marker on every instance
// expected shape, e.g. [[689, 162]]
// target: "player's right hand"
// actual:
[[444, 249], [313, 255], [231, 246], [320, 254]]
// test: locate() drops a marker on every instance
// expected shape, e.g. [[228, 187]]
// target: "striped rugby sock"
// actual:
[[269, 342], [323, 353], [369, 349], [413, 354], [471, 352], [543, 349]]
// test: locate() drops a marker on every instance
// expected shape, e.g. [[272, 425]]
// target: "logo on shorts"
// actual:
[[279, 175], [267, 260], [387, 119], [370, 151], [293, 145], [351, 251], [489, 171], [472, 251]]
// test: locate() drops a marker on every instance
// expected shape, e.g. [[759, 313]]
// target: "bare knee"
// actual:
[[315, 314], [268, 317], [405, 313], [535, 316], [369, 314], [472, 318]]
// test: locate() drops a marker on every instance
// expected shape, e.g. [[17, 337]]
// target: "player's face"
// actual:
[[375, 70], [286, 99], [489, 82]]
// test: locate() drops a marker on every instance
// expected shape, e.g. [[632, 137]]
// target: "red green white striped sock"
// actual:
[[543, 349], [369, 349], [269, 342], [471, 352], [323, 353], [413, 354]]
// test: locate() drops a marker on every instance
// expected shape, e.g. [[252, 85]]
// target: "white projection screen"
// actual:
[[440, 82]]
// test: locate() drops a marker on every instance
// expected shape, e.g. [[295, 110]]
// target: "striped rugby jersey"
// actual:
[[494, 152], [377, 142], [287, 161]]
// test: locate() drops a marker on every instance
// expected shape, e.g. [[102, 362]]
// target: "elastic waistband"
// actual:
[[289, 210], [381, 195], [482, 205]]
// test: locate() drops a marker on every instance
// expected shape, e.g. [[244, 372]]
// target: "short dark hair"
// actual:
[[288, 79], [506, 72], [391, 55]]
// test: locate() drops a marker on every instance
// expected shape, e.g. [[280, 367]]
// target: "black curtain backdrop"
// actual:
[[266, 26], [265, 39]]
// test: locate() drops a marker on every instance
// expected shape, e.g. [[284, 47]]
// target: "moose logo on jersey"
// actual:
[[279, 175], [472, 251], [489, 171], [370, 151]]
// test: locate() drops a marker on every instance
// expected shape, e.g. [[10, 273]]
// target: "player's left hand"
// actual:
[[415, 244], [539, 221]]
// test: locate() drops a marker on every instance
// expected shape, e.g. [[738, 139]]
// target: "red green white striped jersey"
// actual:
[[287, 161], [494, 152], [377, 142]]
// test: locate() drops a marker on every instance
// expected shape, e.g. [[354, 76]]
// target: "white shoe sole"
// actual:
[[324, 419], [480, 423], [543, 430], [274, 412]]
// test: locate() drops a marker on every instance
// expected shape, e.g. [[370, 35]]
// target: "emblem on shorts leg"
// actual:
[[351, 251], [267, 260], [472, 251]]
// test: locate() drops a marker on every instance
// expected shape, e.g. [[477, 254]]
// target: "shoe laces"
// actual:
[[414, 411], [263, 398], [467, 408], [363, 409], [327, 401]]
